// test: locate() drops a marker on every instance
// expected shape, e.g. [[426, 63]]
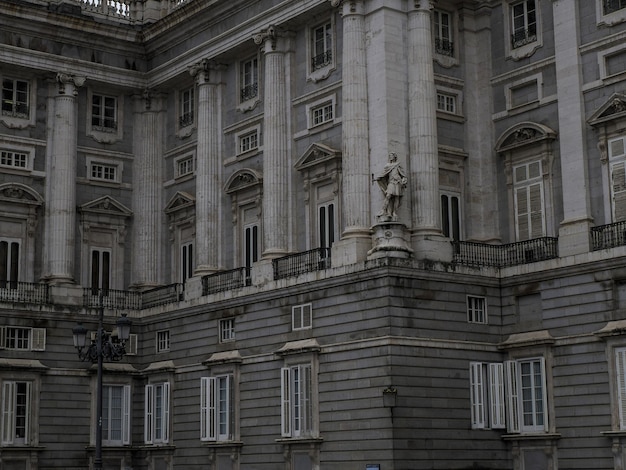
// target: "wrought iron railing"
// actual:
[[126, 10], [300, 263], [610, 6], [112, 299], [522, 37], [225, 280], [322, 60], [608, 236], [162, 295], [510, 254], [24, 292], [250, 91], [444, 47]]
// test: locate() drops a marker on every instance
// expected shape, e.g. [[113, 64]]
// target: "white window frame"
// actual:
[[98, 131], [157, 413], [529, 47], [248, 83], [184, 165], [321, 69], [162, 341], [620, 379], [105, 122], [302, 317], [297, 398], [248, 141], [523, 192], [617, 169], [322, 105], [487, 397], [31, 339], [124, 418], [186, 116], [226, 327], [444, 34], [11, 415], [14, 159], [20, 120], [107, 172], [217, 408], [15, 101], [446, 102], [477, 309]]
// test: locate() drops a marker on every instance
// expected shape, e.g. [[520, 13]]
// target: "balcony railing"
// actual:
[[521, 37], [24, 292], [300, 263], [322, 60], [608, 236], [132, 300], [510, 254], [127, 10], [225, 280], [444, 47]]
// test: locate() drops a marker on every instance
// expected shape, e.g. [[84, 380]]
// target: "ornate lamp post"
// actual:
[[105, 345]]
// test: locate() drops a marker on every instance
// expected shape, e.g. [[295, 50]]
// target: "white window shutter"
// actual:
[[535, 192], [510, 369], [618, 190], [521, 213], [544, 392], [149, 414], [8, 412], [166, 412], [204, 408], [496, 381], [3, 337], [286, 402], [38, 339], [131, 345], [126, 415], [477, 396], [212, 409], [620, 365]]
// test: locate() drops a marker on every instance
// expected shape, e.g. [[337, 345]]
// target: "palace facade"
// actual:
[[211, 170]]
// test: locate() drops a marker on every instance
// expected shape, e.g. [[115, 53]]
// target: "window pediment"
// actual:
[[17, 193], [523, 134], [613, 109], [106, 205], [317, 154], [180, 201], [243, 179]]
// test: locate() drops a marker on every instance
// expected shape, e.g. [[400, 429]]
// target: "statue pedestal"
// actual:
[[389, 239]]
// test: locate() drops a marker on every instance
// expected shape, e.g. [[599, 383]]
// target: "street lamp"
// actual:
[[104, 345]]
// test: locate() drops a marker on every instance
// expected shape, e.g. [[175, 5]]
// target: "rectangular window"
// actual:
[[162, 341], [617, 165], [251, 245], [186, 107], [15, 98], [443, 33], [184, 166], [297, 406], [487, 395], [451, 216], [476, 309], [248, 142], [446, 103], [157, 413], [24, 339], [322, 46], [12, 159], [326, 221], [524, 23], [103, 172], [186, 261], [104, 113], [216, 408], [116, 414], [227, 330], [301, 316], [611, 6], [9, 263], [322, 114], [248, 79], [529, 201], [100, 269], [16, 412]]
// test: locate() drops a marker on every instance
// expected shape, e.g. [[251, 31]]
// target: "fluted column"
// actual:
[[208, 227], [60, 223], [147, 181], [275, 145], [424, 164], [355, 122]]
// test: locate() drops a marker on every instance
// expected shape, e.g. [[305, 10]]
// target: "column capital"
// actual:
[[424, 5], [349, 6], [271, 38], [69, 84], [206, 71]]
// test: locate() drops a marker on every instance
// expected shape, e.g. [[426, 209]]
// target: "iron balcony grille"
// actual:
[[322, 60], [608, 236], [444, 47], [523, 36], [300, 263], [225, 280], [185, 120], [249, 92], [24, 292], [162, 295], [133, 300], [510, 254]]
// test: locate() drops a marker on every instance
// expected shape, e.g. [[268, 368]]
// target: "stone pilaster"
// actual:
[[574, 232], [60, 223], [147, 180], [275, 144], [208, 226], [428, 241]]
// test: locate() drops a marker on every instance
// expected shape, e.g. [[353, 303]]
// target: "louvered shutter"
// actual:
[[521, 208], [126, 415], [286, 401], [620, 363], [149, 414], [166, 412], [477, 396], [208, 408], [618, 189], [496, 383], [8, 412], [510, 369]]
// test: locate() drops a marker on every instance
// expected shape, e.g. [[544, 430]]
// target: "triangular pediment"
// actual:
[[315, 155], [180, 200], [106, 205], [243, 179], [522, 134], [614, 108], [18, 193]]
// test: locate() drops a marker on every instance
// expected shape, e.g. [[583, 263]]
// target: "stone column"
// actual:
[[428, 241], [60, 222], [208, 227], [148, 131], [574, 232], [356, 184], [275, 145]]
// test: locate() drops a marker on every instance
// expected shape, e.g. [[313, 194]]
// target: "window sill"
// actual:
[[17, 122], [222, 444], [248, 105], [532, 436], [322, 73], [300, 440]]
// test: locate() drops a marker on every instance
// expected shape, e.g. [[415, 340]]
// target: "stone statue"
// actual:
[[392, 182]]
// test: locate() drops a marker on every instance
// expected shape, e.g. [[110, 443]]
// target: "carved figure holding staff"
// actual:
[[392, 182]]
